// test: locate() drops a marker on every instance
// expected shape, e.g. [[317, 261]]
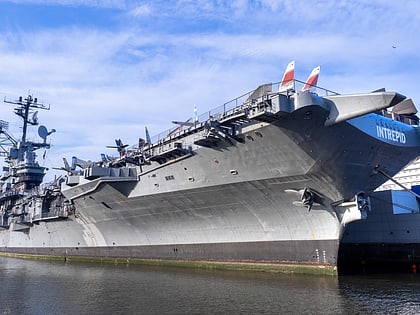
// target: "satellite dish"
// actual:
[[43, 132]]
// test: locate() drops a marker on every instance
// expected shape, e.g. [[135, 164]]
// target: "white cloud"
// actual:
[[105, 83], [88, 3], [141, 10]]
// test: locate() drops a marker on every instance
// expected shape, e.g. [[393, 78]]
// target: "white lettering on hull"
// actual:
[[390, 134]]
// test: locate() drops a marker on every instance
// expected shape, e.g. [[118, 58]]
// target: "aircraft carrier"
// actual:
[[271, 177]]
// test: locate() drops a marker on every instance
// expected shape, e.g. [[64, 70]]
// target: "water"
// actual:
[[43, 287]]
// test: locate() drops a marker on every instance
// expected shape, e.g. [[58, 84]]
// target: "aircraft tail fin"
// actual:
[[66, 165], [312, 79], [148, 140], [288, 77], [103, 158], [75, 161]]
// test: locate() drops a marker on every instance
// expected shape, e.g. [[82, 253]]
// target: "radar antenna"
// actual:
[[24, 169], [25, 107]]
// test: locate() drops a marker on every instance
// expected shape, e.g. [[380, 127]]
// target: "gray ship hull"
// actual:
[[277, 188], [237, 222]]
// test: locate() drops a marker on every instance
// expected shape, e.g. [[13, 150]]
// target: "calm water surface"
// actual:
[[42, 287]]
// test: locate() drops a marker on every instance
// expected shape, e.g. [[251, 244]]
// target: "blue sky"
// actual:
[[109, 68]]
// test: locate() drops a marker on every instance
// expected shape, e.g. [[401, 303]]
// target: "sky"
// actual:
[[109, 68]]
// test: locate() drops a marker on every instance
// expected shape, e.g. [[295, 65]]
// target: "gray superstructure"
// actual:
[[270, 177]]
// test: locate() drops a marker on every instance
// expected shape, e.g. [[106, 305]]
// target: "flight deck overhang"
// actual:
[[344, 107]]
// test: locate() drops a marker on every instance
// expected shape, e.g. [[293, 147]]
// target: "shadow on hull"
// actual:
[[378, 258]]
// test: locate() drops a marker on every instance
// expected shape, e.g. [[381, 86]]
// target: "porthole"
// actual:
[[106, 205], [240, 139]]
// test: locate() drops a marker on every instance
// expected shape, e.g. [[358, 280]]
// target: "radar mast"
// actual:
[[24, 171]]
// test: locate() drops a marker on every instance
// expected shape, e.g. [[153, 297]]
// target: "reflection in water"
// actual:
[[380, 294], [39, 287]]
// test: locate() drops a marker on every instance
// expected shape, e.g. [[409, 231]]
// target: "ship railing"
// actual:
[[234, 105], [298, 86], [214, 113]]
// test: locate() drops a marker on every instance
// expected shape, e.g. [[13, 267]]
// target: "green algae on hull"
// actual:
[[201, 264]]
